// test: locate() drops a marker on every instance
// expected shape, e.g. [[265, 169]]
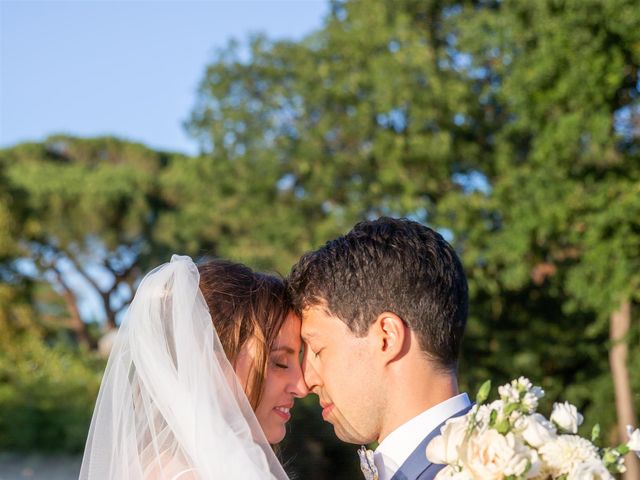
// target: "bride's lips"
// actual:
[[283, 411]]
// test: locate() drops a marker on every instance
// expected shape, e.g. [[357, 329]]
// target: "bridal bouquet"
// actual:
[[507, 439]]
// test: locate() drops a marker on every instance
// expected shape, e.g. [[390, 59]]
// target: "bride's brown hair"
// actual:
[[245, 305]]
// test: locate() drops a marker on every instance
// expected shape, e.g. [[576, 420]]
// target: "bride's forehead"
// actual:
[[289, 334]]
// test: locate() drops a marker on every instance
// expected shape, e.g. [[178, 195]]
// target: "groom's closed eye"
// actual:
[[314, 351]]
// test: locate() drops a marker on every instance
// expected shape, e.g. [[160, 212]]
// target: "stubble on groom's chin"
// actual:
[[348, 433]]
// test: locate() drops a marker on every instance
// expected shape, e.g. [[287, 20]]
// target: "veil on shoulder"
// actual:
[[170, 405]]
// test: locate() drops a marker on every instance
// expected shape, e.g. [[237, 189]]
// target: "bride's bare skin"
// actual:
[[283, 381], [260, 334]]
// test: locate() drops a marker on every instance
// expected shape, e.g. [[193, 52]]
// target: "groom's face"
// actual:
[[341, 369]]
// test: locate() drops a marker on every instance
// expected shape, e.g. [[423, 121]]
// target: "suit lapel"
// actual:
[[418, 463]]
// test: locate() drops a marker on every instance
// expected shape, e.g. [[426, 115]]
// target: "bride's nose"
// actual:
[[297, 386]]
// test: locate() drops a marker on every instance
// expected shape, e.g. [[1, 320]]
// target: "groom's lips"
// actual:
[[326, 409]]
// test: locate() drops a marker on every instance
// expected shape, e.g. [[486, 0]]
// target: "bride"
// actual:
[[183, 400]]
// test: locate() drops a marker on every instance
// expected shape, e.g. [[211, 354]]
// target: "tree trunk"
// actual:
[[620, 322], [111, 315], [75, 322]]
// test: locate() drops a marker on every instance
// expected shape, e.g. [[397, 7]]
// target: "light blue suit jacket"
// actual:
[[417, 466]]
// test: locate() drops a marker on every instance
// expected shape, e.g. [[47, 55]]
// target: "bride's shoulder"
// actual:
[[170, 468]]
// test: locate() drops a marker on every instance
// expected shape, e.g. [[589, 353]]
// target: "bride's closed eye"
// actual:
[[280, 362]]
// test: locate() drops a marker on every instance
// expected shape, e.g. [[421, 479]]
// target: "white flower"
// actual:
[[483, 413], [451, 473], [543, 473], [509, 393], [536, 430], [491, 456], [523, 384], [613, 460], [634, 439], [530, 399], [521, 392], [566, 417], [443, 449], [564, 453], [592, 469]]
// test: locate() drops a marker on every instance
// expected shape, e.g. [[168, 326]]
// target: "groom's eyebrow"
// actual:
[[306, 336]]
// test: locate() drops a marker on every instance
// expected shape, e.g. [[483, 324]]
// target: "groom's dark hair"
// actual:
[[392, 265]]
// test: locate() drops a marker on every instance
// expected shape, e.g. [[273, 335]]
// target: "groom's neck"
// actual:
[[412, 392]]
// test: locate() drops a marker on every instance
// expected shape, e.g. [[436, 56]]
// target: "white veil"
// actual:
[[170, 405]]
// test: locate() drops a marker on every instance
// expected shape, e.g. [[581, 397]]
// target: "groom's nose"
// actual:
[[309, 373]]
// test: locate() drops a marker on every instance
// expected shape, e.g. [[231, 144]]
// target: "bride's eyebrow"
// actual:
[[284, 348]]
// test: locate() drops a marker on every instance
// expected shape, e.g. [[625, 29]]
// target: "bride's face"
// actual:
[[283, 380]]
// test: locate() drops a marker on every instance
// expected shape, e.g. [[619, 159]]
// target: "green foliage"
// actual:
[[87, 207], [564, 187], [326, 135], [46, 396]]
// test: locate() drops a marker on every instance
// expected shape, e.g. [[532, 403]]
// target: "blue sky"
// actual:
[[125, 68]]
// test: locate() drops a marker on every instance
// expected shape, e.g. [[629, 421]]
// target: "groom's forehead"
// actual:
[[316, 320], [317, 312]]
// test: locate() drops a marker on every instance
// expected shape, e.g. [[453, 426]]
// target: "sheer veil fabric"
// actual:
[[170, 405]]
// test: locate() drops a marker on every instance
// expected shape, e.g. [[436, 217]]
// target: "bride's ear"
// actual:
[[391, 333]]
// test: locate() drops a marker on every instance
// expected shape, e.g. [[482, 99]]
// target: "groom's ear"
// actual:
[[391, 334]]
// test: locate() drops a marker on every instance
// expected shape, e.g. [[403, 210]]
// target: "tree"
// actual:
[[562, 210], [87, 217], [366, 116]]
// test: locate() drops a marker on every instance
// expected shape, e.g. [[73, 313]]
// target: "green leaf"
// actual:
[[510, 408], [623, 449], [492, 417], [483, 392], [503, 426], [595, 432]]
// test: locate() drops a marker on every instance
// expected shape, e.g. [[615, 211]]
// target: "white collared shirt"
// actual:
[[400, 444]]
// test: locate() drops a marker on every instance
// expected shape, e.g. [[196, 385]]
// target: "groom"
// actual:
[[384, 309]]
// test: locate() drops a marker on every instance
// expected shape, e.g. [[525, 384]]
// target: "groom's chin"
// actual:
[[349, 436]]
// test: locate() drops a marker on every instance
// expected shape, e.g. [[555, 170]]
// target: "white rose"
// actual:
[[536, 465], [492, 456], [634, 439], [443, 449], [566, 452], [541, 473], [591, 469], [537, 430], [566, 417], [450, 473]]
